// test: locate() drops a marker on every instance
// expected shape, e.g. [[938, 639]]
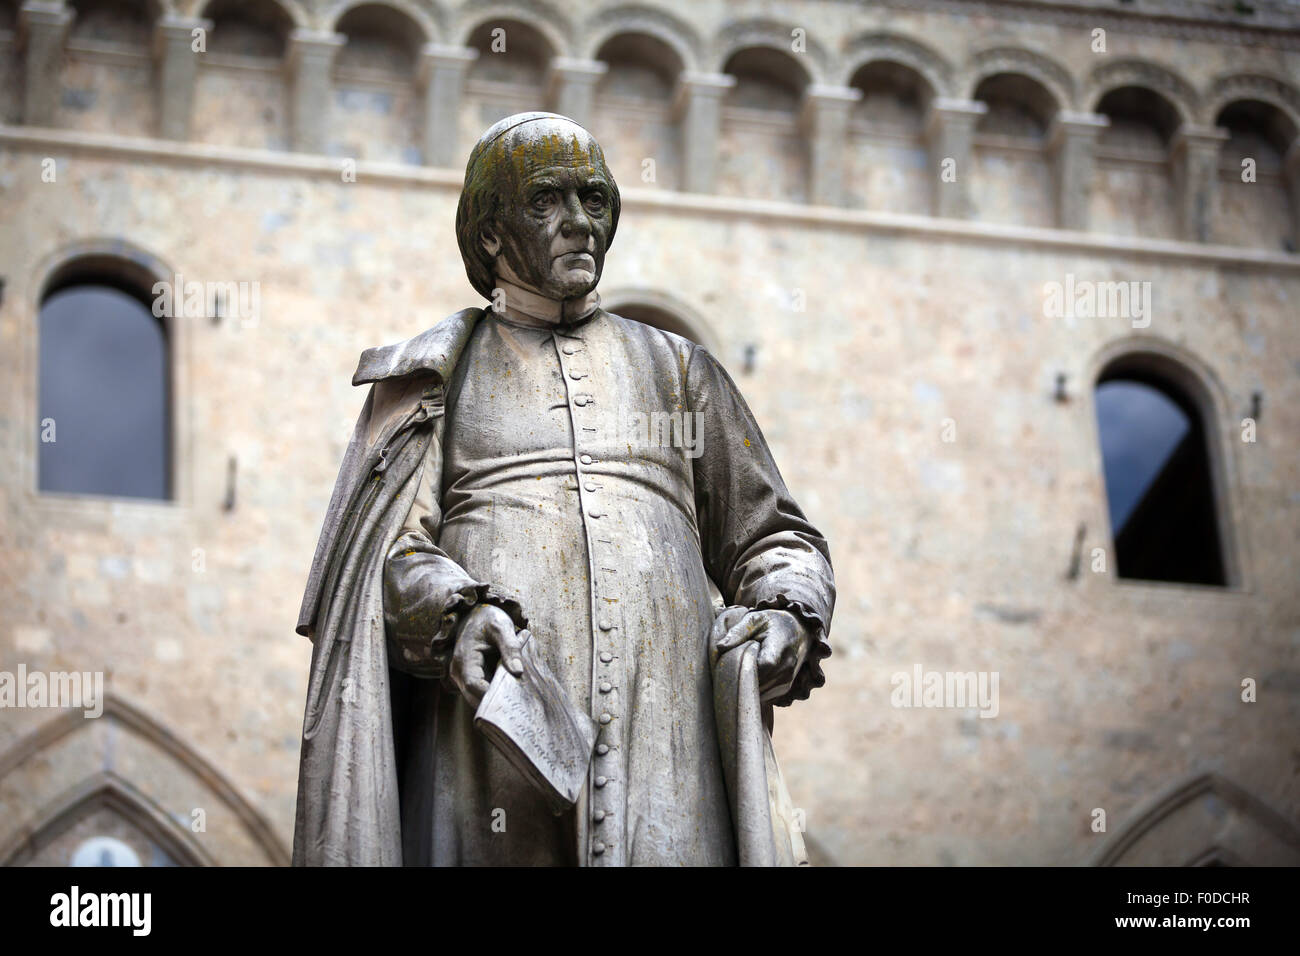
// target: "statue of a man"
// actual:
[[492, 495]]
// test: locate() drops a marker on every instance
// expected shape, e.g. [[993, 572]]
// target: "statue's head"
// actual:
[[539, 207]]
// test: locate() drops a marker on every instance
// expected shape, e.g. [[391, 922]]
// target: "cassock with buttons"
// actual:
[[511, 457]]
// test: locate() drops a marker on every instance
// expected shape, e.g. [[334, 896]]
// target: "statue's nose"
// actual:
[[575, 219]]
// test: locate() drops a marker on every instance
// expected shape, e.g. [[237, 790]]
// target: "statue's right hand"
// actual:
[[487, 637]]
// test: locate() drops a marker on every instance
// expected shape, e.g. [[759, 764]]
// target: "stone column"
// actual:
[[697, 107], [1071, 143], [948, 132], [571, 87], [178, 70], [442, 76], [310, 62], [42, 28], [825, 121], [1291, 176], [1194, 153]]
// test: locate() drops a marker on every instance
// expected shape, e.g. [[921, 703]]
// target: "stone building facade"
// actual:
[[863, 209]]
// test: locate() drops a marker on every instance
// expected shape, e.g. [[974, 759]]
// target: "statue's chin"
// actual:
[[573, 285]]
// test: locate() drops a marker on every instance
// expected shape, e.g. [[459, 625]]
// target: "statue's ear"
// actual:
[[491, 244]]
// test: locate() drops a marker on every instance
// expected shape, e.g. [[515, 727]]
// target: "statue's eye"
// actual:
[[544, 198], [595, 201]]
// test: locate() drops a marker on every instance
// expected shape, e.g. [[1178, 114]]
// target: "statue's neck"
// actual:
[[528, 307]]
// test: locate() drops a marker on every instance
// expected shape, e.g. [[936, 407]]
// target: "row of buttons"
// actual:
[[587, 488]]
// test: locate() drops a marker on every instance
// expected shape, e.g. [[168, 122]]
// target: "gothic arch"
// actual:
[[1154, 835], [774, 35], [663, 26], [1147, 75], [1265, 87], [542, 16], [62, 799], [1010, 59], [871, 47], [108, 790], [417, 13]]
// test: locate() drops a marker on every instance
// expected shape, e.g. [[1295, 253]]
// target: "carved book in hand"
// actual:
[[534, 723]]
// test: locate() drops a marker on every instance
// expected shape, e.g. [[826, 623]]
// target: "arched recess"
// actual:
[[1043, 70], [1260, 86], [1259, 196], [633, 115], [663, 311], [896, 48], [636, 19], [72, 768], [241, 90], [377, 105], [512, 70], [107, 73], [551, 25], [293, 9], [1143, 74], [424, 17], [127, 273], [762, 151], [787, 38], [1193, 385], [1135, 192], [1204, 820], [1012, 180], [886, 155]]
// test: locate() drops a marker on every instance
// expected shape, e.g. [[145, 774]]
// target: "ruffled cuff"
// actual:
[[810, 674], [426, 596]]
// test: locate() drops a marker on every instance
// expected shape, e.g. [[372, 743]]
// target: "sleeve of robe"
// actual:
[[758, 546], [426, 593]]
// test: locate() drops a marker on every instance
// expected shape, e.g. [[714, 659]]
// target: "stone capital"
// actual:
[[694, 85], [947, 113], [443, 58], [312, 46], [176, 32], [1190, 138], [821, 99], [1071, 125], [43, 16]]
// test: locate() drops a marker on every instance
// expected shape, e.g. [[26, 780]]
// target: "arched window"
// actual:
[[1013, 178], [1159, 471], [104, 383]]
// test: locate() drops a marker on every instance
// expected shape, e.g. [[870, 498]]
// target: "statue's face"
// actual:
[[553, 229]]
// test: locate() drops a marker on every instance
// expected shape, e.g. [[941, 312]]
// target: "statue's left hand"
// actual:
[[784, 641]]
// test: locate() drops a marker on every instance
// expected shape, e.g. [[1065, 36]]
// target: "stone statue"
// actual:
[[543, 481]]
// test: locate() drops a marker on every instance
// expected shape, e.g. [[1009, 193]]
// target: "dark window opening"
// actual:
[[1159, 481], [104, 390]]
